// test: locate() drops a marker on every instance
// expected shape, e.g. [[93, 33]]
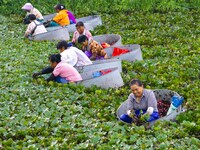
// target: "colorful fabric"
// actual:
[[105, 71], [39, 29], [72, 18], [105, 45], [119, 51], [62, 18], [53, 24], [67, 71], [96, 49], [85, 32]]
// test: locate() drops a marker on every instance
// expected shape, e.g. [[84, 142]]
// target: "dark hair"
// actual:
[[60, 6], [31, 17], [62, 44], [82, 38], [80, 24], [55, 58], [136, 81]]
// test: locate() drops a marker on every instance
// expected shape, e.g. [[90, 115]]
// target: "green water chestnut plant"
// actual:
[[39, 115]]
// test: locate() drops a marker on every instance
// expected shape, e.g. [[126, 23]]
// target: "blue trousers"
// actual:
[[61, 80], [126, 118]]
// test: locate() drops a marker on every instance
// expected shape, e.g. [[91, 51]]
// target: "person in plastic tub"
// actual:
[[61, 18], [141, 102], [92, 48], [35, 27], [63, 72], [69, 55], [81, 30], [28, 7]]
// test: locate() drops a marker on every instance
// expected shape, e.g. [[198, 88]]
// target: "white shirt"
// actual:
[[39, 29], [75, 57]]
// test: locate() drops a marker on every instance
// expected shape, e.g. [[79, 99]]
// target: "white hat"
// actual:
[[27, 6]]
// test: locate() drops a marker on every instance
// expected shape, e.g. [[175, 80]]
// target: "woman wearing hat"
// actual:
[[28, 7], [35, 27], [140, 102]]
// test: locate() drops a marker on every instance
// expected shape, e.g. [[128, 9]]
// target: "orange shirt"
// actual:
[[62, 18]]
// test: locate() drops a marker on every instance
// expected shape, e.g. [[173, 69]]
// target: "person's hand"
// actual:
[[35, 75], [130, 113]]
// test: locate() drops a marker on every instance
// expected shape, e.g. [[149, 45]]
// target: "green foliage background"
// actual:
[[37, 115]]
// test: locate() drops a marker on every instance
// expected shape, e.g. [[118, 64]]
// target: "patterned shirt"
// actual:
[[77, 34], [96, 49], [148, 100]]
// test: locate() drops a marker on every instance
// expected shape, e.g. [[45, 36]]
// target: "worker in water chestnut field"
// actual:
[[81, 30], [35, 27], [70, 55], [140, 102], [61, 18], [92, 48], [28, 7], [63, 72]]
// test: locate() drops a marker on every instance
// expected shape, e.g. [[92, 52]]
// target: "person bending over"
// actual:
[[34, 27], [28, 7], [69, 55], [63, 72], [141, 101], [92, 48]]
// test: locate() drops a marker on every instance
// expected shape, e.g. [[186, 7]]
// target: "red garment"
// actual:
[[105, 45], [105, 72], [118, 51]]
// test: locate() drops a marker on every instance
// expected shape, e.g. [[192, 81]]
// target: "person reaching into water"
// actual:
[[69, 55], [92, 48], [63, 72], [140, 102], [34, 27]]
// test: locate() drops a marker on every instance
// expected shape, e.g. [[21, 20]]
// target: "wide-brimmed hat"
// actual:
[[27, 6]]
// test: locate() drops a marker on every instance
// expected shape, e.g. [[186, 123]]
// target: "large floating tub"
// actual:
[[112, 79], [164, 95], [134, 54], [101, 64], [59, 34], [112, 39], [90, 23]]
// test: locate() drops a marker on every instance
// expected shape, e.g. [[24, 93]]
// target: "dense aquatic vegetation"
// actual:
[[36, 115]]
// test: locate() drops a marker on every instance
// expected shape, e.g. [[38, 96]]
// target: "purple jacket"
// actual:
[[72, 18]]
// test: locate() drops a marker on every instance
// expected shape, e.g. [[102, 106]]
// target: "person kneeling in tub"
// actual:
[[142, 101], [63, 72], [92, 48]]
